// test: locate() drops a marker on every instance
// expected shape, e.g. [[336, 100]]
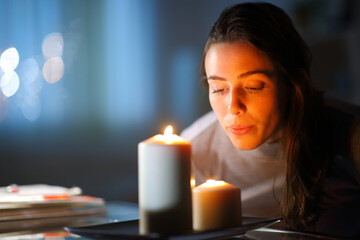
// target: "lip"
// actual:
[[240, 130]]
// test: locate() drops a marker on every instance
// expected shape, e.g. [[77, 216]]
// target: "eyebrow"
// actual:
[[268, 73]]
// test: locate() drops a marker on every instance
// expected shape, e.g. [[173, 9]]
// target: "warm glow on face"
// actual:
[[244, 93]]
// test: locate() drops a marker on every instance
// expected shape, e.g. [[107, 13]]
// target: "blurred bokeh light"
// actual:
[[53, 45], [9, 83], [53, 69], [9, 60]]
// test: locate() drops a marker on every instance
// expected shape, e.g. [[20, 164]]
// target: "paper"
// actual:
[[48, 205]]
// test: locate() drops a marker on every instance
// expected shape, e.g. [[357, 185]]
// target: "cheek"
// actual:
[[219, 106], [268, 113]]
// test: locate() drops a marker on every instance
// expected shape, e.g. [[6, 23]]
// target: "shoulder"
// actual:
[[344, 120], [355, 143], [205, 125], [341, 189], [344, 125]]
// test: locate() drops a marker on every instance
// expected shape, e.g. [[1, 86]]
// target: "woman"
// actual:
[[269, 132]]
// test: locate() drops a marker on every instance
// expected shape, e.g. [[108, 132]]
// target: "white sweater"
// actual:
[[259, 173]]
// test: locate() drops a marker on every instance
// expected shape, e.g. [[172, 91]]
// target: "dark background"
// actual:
[[131, 68]]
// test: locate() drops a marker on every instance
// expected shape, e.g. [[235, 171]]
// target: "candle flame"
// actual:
[[213, 183], [169, 137], [192, 183], [168, 131]]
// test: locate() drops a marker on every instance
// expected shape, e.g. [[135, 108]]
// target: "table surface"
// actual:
[[124, 211]]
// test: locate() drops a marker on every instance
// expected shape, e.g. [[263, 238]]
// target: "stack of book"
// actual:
[[43, 206]]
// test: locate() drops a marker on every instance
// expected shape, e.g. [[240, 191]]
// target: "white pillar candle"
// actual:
[[164, 164], [216, 205]]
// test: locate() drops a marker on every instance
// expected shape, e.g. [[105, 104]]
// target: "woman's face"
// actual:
[[243, 92]]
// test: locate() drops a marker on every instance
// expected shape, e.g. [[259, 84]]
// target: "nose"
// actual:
[[236, 104]]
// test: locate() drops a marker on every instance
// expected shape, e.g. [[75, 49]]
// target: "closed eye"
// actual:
[[221, 90], [254, 88]]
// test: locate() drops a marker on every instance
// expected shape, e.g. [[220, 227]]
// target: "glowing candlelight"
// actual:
[[169, 137], [164, 184], [216, 204], [192, 183]]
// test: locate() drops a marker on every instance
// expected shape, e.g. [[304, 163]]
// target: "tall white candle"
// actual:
[[216, 204], [164, 164]]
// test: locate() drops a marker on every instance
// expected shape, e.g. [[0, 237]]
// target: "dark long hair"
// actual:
[[268, 28]]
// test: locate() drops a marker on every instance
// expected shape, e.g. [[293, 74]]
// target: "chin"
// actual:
[[244, 145]]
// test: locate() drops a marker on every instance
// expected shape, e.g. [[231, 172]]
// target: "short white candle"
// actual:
[[164, 165], [216, 204]]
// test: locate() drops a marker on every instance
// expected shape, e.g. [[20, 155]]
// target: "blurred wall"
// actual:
[[94, 78]]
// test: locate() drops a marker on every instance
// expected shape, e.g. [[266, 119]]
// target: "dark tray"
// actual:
[[130, 230]]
